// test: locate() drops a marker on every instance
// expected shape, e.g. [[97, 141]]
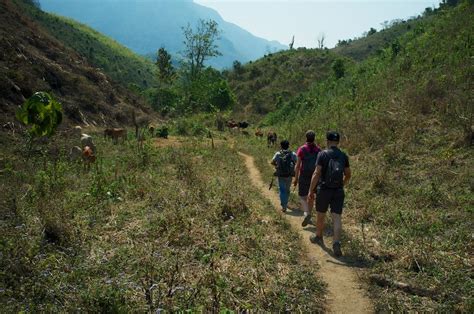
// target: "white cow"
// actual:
[[86, 140]]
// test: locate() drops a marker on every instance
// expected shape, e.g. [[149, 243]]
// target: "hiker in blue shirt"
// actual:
[[284, 162]]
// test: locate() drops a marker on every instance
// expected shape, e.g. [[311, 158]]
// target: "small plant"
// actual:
[[42, 113]]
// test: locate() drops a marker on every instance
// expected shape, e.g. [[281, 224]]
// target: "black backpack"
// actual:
[[309, 162], [286, 165], [334, 175]]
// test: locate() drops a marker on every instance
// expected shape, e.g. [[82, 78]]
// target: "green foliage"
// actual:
[[165, 67], [164, 99], [338, 68], [200, 45], [264, 84], [42, 113]]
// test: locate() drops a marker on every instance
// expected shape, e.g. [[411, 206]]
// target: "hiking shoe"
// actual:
[[306, 221], [336, 247], [316, 240], [283, 210]]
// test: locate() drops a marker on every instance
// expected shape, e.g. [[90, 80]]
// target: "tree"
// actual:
[[292, 42], [165, 67], [42, 113], [338, 68], [321, 39], [200, 45], [371, 31], [238, 68]]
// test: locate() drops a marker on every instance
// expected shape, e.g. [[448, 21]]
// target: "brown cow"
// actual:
[[88, 157], [115, 134], [259, 133], [232, 124], [271, 138]]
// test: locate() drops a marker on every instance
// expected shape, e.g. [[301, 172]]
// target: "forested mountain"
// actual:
[[145, 25], [33, 60]]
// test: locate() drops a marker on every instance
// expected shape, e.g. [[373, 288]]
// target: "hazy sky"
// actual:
[[307, 19]]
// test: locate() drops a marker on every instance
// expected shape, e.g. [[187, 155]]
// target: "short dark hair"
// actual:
[[285, 144], [333, 136], [310, 136]]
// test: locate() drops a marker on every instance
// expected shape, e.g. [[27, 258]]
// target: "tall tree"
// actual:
[[165, 67], [200, 44]]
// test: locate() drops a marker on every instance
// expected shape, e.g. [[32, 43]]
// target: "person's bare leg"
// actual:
[[304, 204], [337, 225], [320, 224]]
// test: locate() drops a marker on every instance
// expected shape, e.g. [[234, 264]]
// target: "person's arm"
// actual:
[[347, 175], [297, 171], [274, 162], [314, 182]]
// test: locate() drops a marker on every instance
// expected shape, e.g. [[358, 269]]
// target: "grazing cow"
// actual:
[[259, 133], [115, 134], [86, 140], [151, 129], [232, 124], [75, 153], [88, 157], [243, 124], [271, 138], [163, 132]]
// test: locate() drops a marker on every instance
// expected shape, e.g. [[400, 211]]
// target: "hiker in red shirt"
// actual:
[[307, 156]]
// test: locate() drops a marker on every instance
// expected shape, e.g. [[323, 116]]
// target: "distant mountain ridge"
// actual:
[[144, 26]]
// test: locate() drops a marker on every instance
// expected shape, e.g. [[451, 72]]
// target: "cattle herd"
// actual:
[[87, 149], [239, 127]]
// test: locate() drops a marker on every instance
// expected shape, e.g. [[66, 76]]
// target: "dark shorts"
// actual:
[[303, 185], [333, 198]]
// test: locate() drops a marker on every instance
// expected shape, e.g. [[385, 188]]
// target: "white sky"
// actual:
[[307, 19]]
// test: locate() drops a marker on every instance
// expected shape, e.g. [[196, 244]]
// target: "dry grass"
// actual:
[[169, 227]]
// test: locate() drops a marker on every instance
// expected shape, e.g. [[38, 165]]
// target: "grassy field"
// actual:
[[176, 227]]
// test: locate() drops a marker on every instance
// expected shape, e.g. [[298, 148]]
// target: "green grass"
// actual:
[[174, 228]]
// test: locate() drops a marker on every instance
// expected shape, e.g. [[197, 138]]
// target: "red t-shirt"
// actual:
[[308, 148]]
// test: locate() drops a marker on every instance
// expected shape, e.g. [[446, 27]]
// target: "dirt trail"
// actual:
[[345, 294]]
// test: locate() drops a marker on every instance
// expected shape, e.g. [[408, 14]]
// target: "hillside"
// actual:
[[264, 85], [144, 26], [406, 116], [118, 62], [33, 60]]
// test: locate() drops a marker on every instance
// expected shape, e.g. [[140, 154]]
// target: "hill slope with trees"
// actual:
[[33, 60], [144, 26], [117, 61]]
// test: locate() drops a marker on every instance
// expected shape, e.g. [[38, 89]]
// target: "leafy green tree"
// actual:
[[371, 31], [166, 70], [42, 113], [338, 68], [200, 45]]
